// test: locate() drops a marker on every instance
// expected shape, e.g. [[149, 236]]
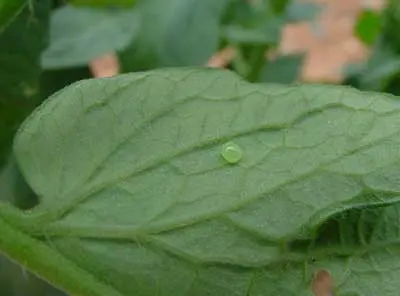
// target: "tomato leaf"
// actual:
[[137, 199]]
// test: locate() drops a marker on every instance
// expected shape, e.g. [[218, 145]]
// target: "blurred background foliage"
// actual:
[[48, 44]]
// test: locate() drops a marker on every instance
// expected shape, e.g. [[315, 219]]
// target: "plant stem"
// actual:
[[256, 63], [47, 263]]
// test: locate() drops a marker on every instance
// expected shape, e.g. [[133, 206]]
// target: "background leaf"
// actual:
[[9, 9], [251, 23], [377, 72], [145, 202], [283, 69], [20, 48], [368, 26], [103, 3], [181, 33], [79, 35], [298, 11], [267, 32]]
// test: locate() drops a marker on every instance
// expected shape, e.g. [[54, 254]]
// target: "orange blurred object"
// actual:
[[105, 66]]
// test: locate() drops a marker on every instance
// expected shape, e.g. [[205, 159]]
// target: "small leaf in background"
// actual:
[[9, 9], [135, 192], [377, 72], [302, 12], [266, 32], [278, 6], [104, 3], [391, 19], [79, 35], [247, 23], [368, 26], [283, 69], [180, 33]]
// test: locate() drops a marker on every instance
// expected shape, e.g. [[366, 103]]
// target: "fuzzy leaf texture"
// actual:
[[135, 194]]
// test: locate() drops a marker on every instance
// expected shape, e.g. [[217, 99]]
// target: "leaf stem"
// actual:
[[47, 263], [256, 62]]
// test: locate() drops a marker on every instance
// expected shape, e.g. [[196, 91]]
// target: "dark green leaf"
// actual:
[[78, 35], [20, 47], [136, 196], [238, 12], [54, 80], [251, 24], [180, 33], [368, 26], [278, 6], [377, 72], [393, 86], [13, 187], [284, 69], [391, 19], [267, 32], [9, 9]]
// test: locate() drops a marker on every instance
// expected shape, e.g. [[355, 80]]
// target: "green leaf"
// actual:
[[376, 73], [21, 44], [278, 6], [298, 11], [79, 35], [267, 32], [391, 23], [181, 33], [251, 24], [103, 3], [136, 198], [284, 69], [368, 26], [9, 9]]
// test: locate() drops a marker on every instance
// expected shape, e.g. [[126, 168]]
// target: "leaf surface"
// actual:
[[79, 35], [298, 11], [181, 33], [134, 189]]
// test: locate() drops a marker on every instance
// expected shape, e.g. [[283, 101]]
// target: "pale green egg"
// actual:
[[231, 152]]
